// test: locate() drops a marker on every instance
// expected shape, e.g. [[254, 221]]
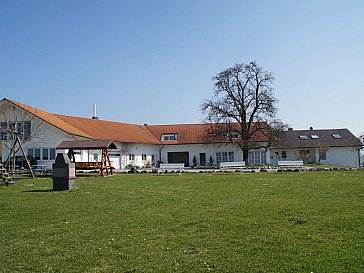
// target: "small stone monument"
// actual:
[[64, 173]]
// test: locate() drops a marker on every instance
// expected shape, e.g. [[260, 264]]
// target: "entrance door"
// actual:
[[179, 157], [202, 159], [305, 156]]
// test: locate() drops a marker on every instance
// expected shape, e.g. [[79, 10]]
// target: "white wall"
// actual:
[[137, 149], [51, 139], [341, 156], [47, 136], [293, 154], [196, 149]]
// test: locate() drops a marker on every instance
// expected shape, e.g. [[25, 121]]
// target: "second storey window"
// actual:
[[23, 128]]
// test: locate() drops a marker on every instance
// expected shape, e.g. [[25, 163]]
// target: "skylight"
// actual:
[[303, 137], [315, 137], [336, 136]]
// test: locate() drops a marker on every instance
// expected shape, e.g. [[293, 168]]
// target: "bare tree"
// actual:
[[21, 125], [242, 110]]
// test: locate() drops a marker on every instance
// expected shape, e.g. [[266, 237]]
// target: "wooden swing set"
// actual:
[[17, 144], [105, 146]]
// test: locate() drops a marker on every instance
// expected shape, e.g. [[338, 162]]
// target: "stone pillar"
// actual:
[[64, 173]]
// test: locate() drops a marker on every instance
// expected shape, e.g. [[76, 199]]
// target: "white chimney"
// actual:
[[95, 115]]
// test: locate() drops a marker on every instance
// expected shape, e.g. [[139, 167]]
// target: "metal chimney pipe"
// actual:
[[95, 114]]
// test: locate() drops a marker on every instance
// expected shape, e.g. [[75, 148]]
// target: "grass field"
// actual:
[[252, 222]]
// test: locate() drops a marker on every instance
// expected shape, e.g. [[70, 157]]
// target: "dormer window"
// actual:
[[233, 135], [169, 137], [303, 137], [336, 136]]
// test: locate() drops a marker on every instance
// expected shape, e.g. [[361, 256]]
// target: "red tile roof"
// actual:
[[122, 132], [50, 118], [86, 145], [187, 133], [193, 134], [116, 131]]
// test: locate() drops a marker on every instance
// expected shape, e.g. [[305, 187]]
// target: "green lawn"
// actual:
[[252, 222]]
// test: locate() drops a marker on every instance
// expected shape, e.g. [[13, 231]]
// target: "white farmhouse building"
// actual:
[[329, 146], [146, 145]]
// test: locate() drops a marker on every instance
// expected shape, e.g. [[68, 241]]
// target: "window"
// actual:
[[12, 126], [52, 152], [27, 130], [257, 157], [4, 136], [45, 154], [315, 137], [322, 154], [303, 137], [233, 135], [251, 157], [224, 157], [336, 136], [231, 156], [284, 154], [168, 137], [131, 156], [144, 157], [96, 157], [42, 154], [37, 154], [23, 128], [263, 157], [20, 129]]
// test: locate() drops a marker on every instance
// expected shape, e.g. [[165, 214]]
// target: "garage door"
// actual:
[[115, 160], [179, 157]]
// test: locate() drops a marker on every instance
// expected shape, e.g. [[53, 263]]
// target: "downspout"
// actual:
[[160, 155]]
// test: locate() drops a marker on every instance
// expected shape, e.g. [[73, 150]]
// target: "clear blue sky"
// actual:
[[152, 62]]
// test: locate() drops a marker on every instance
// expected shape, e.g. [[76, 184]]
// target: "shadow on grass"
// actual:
[[47, 190]]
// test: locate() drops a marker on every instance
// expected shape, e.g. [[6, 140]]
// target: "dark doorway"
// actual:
[[202, 159], [179, 157]]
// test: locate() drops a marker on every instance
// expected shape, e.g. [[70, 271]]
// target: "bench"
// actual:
[[292, 164], [39, 168], [232, 165], [172, 166], [87, 165]]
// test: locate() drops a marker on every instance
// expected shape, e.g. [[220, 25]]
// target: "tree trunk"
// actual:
[[245, 155]]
